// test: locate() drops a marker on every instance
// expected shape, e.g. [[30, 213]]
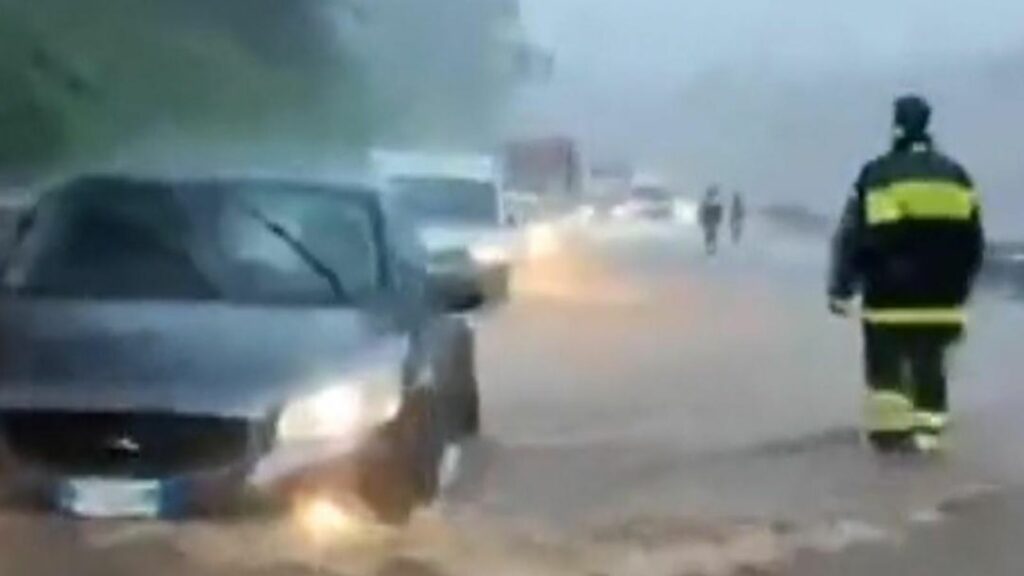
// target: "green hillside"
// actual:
[[172, 83]]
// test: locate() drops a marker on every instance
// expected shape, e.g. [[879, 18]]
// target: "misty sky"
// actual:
[[663, 41], [784, 98]]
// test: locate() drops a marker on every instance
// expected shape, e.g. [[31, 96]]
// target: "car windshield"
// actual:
[[235, 241], [433, 200]]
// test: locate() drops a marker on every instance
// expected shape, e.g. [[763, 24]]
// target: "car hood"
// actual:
[[441, 238], [198, 358]]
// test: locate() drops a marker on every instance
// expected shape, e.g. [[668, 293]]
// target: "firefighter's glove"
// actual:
[[841, 307]]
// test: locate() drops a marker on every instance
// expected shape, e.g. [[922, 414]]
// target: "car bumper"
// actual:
[[341, 471], [485, 283]]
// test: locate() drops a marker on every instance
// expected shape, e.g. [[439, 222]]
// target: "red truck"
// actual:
[[546, 167]]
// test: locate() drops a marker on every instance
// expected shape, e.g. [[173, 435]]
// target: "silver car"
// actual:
[[181, 347]]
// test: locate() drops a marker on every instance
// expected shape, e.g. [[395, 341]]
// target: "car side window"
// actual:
[[125, 243]]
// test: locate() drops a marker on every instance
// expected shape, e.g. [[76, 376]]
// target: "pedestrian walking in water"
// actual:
[[737, 217], [910, 242], [711, 213]]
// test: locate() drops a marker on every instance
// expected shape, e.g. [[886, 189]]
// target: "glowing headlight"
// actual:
[[347, 408], [586, 213], [686, 212], [622, 211], [542, 240], [489, 254]]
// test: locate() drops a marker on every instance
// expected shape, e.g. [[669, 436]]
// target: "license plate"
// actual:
[[102, 498]]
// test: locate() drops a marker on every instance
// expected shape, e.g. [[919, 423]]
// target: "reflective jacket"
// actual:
[[711, 213], [910, 239]]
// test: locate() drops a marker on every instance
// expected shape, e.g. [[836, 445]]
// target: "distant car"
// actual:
[[179, 347], [456, 205], [1004, 266], [651, 203], [522, 209]]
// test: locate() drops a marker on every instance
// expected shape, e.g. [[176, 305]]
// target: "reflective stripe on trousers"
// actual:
[[888, 411], [952, 316]]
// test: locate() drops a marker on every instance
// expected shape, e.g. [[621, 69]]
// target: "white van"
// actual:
[[456, 204]]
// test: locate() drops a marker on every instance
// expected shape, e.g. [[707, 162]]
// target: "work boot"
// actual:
[[929, 443], [929, 431], [889, 420], [892, 442]]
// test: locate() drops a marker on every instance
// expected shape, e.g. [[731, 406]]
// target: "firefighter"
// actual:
[[737, 215], [910, 242], [711, 212]]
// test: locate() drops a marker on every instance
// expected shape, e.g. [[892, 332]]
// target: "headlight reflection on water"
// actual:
[[324, 520], [542, 240]]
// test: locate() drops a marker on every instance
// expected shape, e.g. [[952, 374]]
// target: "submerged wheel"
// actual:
[[465, 390], [409, 477]]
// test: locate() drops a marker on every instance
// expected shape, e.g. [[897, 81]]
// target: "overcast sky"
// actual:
[[656, 41], [784, 98]]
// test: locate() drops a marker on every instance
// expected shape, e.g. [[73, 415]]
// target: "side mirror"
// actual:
[[23, 225]]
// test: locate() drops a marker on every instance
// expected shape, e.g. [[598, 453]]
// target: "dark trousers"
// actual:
[[711, 237], [910, 360]]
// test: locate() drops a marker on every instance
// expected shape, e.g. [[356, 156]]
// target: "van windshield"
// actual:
[[429, 200]]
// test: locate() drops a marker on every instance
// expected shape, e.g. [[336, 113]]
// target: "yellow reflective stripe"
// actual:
[[920, 200], [887, 411], [881, 209], [934, 421], [927, 316]]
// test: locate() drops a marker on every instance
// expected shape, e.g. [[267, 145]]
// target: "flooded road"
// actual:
[[647, 411]]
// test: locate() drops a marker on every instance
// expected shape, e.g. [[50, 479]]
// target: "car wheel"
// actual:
[[463, 392], [426, 446], [501, 286], [412, 473]]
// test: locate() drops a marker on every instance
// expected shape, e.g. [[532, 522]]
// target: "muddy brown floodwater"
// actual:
[[648, 412]]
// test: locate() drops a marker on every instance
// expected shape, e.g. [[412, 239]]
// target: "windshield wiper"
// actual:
[[304, 253]]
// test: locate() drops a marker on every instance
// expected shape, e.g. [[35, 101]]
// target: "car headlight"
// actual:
[[622, 211], [542, 240], [686, 212], [489, 254], [349, 407]]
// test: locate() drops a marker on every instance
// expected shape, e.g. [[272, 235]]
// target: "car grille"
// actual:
[[126, 445]]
